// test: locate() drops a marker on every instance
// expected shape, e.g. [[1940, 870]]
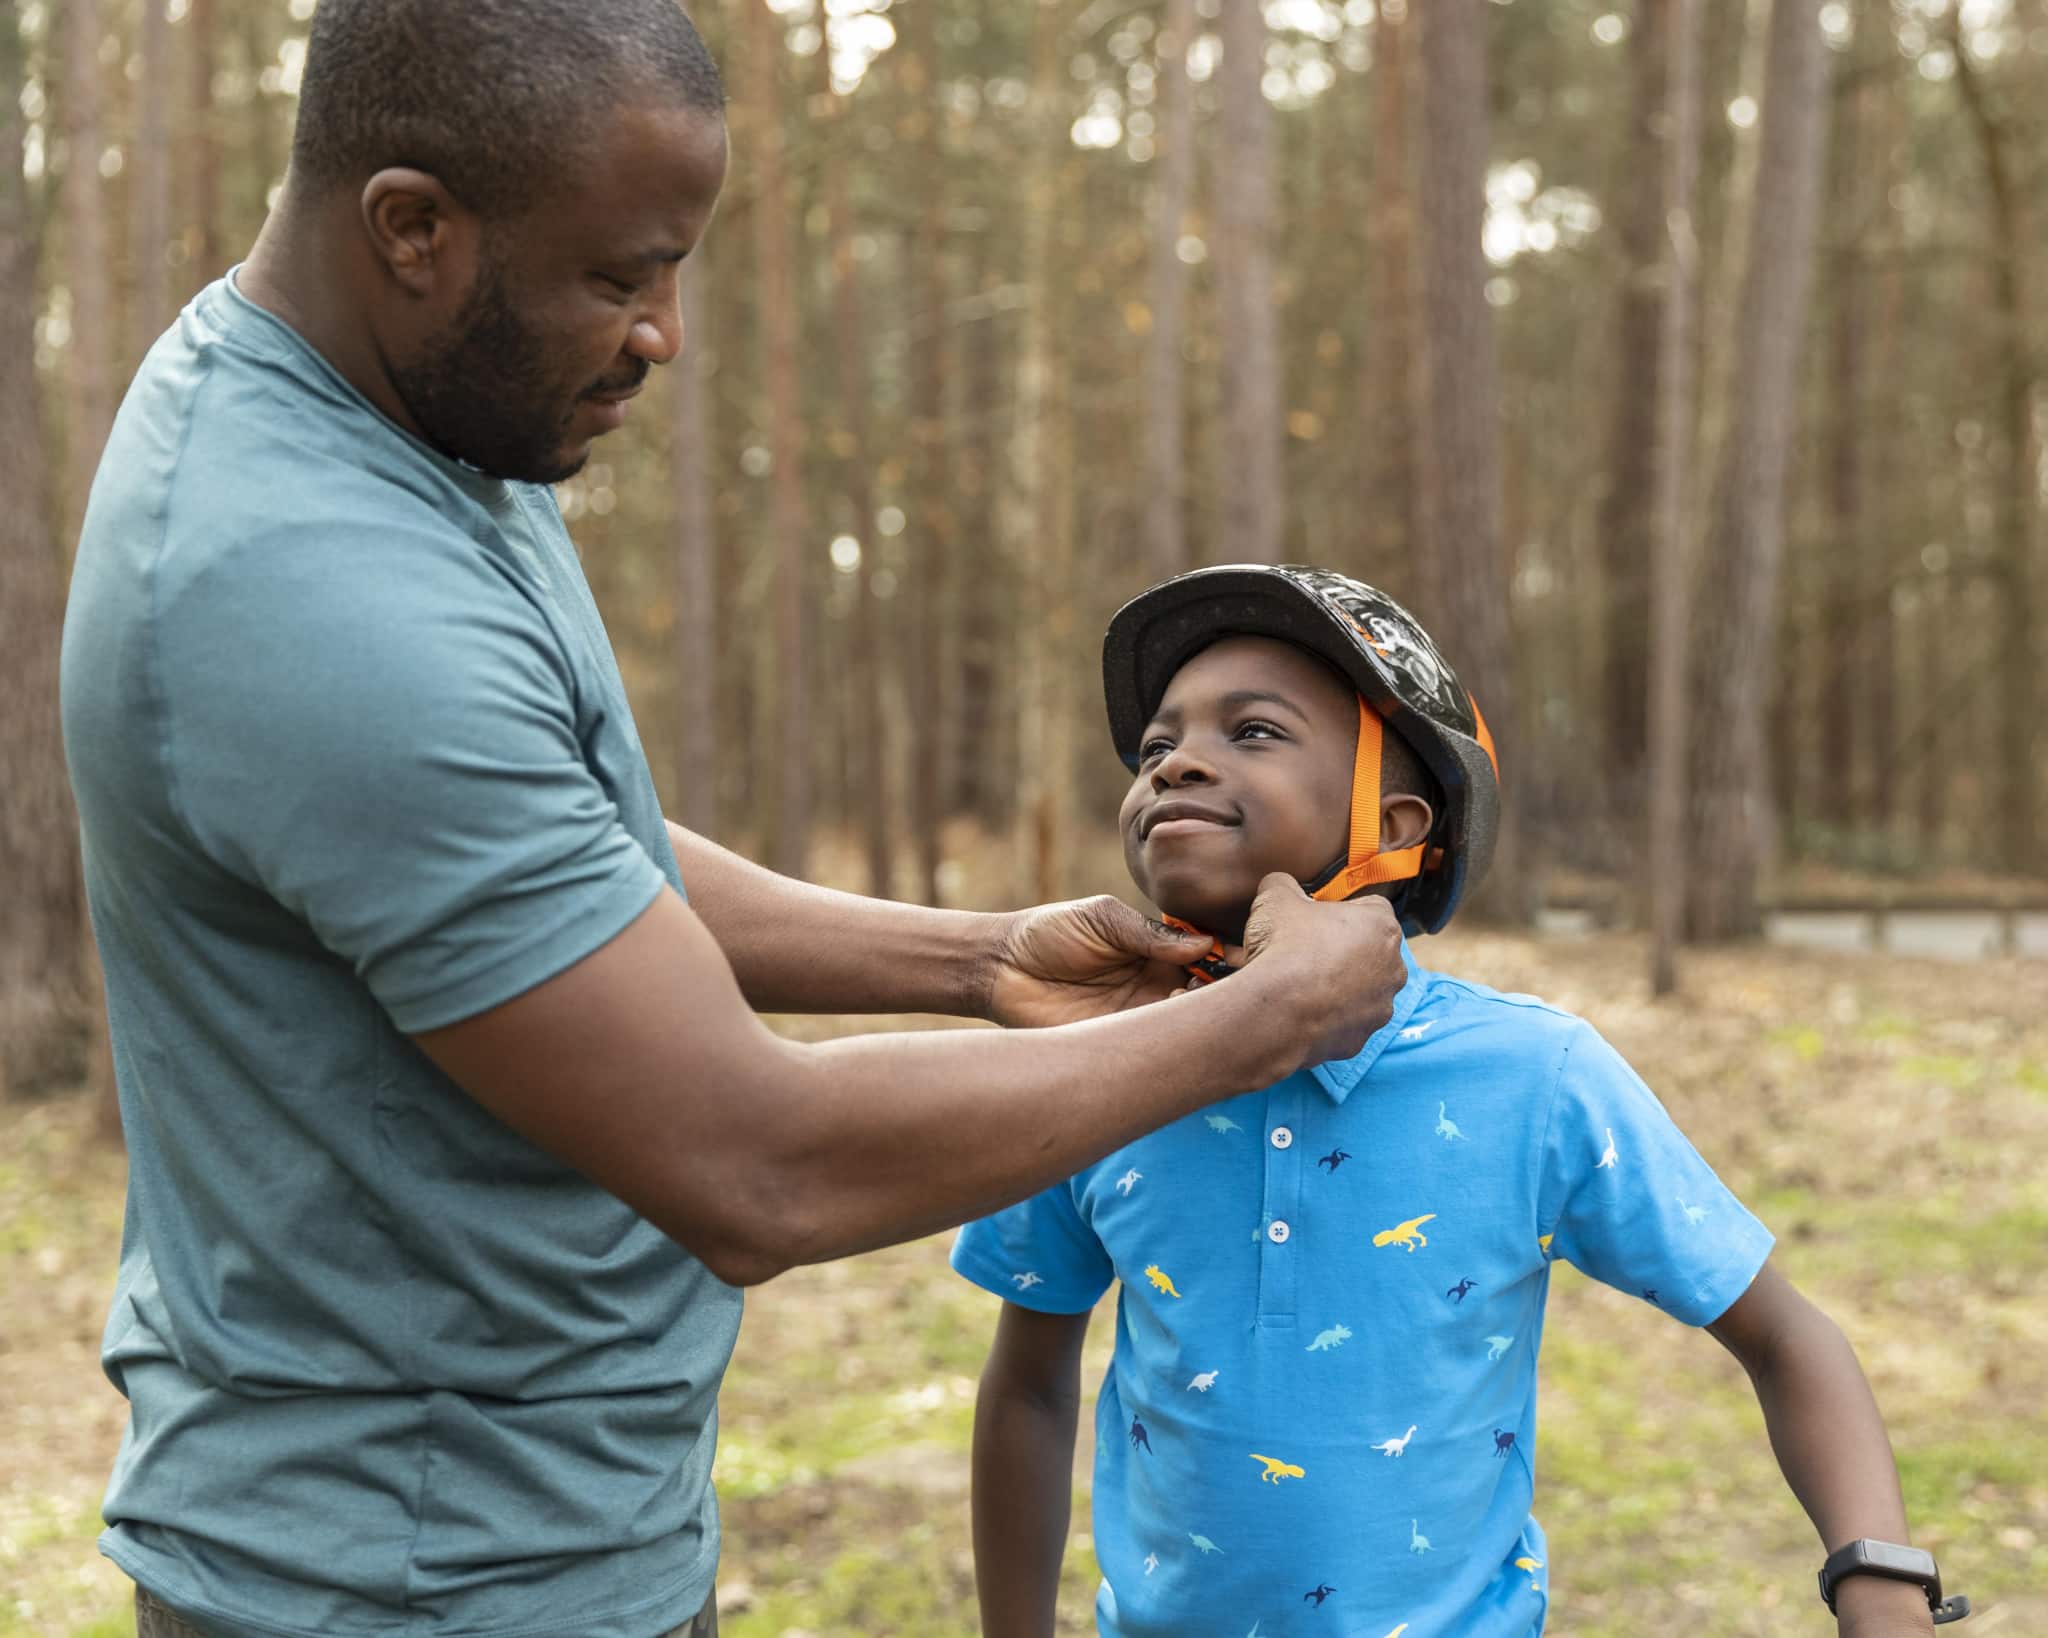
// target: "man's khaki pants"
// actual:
[[156, 1620]]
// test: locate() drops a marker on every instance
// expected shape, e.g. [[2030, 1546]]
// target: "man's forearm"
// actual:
[[796, 947]]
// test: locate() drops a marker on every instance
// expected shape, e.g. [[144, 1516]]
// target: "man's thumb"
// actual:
[[1281, 885]]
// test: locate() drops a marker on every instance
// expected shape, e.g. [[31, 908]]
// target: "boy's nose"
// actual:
[[1178, 767]]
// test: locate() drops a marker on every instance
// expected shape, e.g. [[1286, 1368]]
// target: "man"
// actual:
[[452, 1124]]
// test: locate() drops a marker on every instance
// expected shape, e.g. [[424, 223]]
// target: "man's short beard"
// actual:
[[480, 390]]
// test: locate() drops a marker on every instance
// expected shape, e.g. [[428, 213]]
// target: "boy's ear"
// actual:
[[1404, 821]]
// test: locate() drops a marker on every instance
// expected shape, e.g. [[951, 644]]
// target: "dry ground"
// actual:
[[1888, 1118]]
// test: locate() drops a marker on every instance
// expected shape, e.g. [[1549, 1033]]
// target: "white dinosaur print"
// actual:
[[1496, 1346], [1128, 1182], [1326, 1340], [1222, 1123], [1693, 1214], [1606, 1162], [1026, 1280], [1415, 1032], [1447, 1129], [1417, 1541], [1203, 1381], [1203, 1544], [1151, 1562], [1396, 1447]]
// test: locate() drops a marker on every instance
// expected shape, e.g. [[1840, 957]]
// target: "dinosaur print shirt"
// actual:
[[1320, 1412]]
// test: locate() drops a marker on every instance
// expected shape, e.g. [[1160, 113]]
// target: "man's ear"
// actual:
[[1404, 821], [424, 237]]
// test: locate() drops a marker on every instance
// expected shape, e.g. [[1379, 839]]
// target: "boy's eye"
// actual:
[[1153, 749], [1258, 730], [625, 287]]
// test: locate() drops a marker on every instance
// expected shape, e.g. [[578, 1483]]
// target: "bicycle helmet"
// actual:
[[1403, 683]]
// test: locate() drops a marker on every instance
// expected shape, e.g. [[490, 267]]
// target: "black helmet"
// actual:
[[1387, 657]]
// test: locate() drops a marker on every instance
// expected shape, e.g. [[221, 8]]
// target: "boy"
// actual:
[[1320, 1411]]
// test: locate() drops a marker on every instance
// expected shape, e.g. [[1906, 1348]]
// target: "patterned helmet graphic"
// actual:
[[1371, 640]]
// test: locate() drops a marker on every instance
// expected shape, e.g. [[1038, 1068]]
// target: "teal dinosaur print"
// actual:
[[1496, 1346], [1417, 1541], [1447, 1129], [1326, 1340], [1203, 1544], [1222, 1123]]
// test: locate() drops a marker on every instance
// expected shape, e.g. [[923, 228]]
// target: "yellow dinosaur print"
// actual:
[[1406, 1235], [1532, 1565], [1276, 1470], [1160, 1281], [1396, 1633], [1543, 1243]]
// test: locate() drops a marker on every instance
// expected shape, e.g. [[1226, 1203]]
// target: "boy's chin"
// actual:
[[1222, 918]]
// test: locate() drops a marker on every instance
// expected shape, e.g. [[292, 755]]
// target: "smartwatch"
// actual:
[[1893, 1563]]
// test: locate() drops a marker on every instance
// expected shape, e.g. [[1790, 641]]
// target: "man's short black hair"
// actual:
[[490, 96]]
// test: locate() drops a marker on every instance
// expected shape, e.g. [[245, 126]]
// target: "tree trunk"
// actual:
[[1039, 522], [1628, 519], [1665, 849], [2017, 841], [1462, 422], [1166, 534], [869, 728], [42, 930], [149, 303], [203, 236], [1731, 813], [931, 603], [89, 367], [696, 569], [1845, 607], [777, 308], [1391, 388], [1247, 324]]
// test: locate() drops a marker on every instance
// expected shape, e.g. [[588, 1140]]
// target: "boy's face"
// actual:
[[1245, 768]]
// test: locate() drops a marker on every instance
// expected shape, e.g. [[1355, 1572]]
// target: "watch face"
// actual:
[[1906, 1561]]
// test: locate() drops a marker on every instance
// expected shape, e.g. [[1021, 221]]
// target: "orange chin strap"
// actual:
[[1365, 865]]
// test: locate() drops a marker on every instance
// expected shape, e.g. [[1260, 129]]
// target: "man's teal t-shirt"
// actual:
[[353, 761]]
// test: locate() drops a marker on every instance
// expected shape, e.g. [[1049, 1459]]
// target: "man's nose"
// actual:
[[657, 333]]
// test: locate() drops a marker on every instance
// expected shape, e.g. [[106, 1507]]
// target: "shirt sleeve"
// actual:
[[1628, 1200], [380, 733], [1039, 1254]]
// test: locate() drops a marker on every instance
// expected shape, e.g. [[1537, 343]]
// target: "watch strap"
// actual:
[[1880, 1558]]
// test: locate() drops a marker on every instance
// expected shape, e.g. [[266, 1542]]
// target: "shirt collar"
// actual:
[[1338, 1076]]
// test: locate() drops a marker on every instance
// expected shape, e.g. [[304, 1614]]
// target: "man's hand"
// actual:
[[1340, 964], [1061, 963]]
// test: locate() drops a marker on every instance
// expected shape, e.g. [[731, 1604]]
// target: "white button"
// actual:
[[1282, 1138], [1277, 1232]]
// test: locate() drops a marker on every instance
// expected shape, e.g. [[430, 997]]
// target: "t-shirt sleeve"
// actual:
[[1039, 1254], [1628, 1200], [380, 733]]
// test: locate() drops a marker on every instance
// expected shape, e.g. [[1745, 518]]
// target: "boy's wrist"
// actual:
[[1869, 1606]]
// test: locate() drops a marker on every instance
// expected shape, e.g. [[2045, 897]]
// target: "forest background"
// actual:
[[1678, 362]]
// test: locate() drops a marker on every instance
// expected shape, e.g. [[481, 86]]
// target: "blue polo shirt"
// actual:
[[1324, 1383]]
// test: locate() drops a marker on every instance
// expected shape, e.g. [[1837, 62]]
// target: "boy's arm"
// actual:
[[1024, 1421], [1829, 1440]]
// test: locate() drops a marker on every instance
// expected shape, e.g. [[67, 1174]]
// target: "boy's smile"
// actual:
[[1244, 769]]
